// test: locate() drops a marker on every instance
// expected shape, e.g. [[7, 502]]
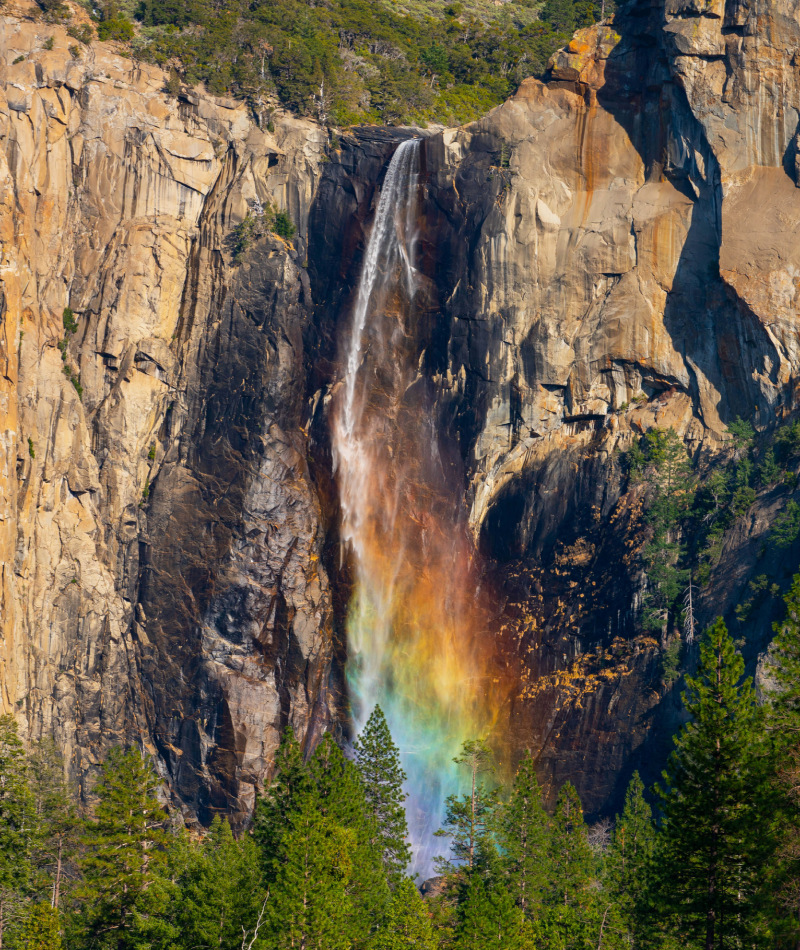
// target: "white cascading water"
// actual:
[[416, 638]]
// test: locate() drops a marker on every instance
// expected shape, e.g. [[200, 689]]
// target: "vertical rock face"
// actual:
[[631, 260], [160, 543], [608, 251], [614, 249]]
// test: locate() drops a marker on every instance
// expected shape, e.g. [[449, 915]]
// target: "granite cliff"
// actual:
[[613, 249]]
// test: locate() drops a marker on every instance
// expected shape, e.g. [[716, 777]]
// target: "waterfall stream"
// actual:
[[416, 640]]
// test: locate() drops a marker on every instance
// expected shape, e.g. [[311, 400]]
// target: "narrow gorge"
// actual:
[[385, 459]]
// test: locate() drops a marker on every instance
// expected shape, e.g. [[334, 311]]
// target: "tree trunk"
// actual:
[[57, 879]]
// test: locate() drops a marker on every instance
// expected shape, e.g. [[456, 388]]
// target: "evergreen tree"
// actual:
[[629, 859], [522, 832], [408, 925], [17, 826], [468, 817], [571, 873], [378, 762], [488, 919], [713, 842], [309, 906], [42, 929], [124, 893], [783, 722], [59, 826], [291, 784], [342, 802], [221, 893]]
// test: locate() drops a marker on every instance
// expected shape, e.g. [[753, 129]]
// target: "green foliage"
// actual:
[[342, 801], [69, 321], [522, 829], [488, 919], [313, 864], [661, 461], [59, 826], [116, 28], [221, 891], [711, 847], [151, 452], [70, 327], [351, 61], [49, 43], [468, 818], [53, 9], [377, 759], [408, 923], [41, 930], [769, 471], [671, 661], [83, 33], [628, 864], [244, 234], [283, 226], [786, 528], [125, 891], [31, 451], [17, 826]]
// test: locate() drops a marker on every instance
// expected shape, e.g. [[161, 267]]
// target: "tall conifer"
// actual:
[[125, 893], [713, 842], [571, 872], [487, 918], [17, 825], [309, 906], [522, 832], [408, 924], [783, 723], [221, 892], [468, 817], [629, 858], [378, 761], [342, 801]]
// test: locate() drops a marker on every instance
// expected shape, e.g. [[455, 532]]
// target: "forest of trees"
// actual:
[[345, 61], [708, 859]]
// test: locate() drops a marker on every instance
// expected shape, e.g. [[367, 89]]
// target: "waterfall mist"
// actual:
[[417, 642]]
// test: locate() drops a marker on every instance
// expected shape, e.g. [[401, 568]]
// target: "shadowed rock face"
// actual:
[[614, 249]]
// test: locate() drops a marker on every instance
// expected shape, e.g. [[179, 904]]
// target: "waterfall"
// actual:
[[416, 628]]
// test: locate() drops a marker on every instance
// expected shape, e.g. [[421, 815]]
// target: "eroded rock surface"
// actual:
[[610, 250], [160, 537]]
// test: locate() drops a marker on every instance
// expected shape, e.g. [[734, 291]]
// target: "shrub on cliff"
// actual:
[[350, 61]]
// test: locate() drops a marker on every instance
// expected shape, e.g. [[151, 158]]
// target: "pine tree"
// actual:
[[221, 893], [309, 906], [713, 841], [59, 826], [783, 723], [41, 930], [522, 832], [378, 761], [468, 817], [17, 825], [342, 801], [628, 860], [488, 919], [408, 925], [124, 894], [292, 783], [571, 872]]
